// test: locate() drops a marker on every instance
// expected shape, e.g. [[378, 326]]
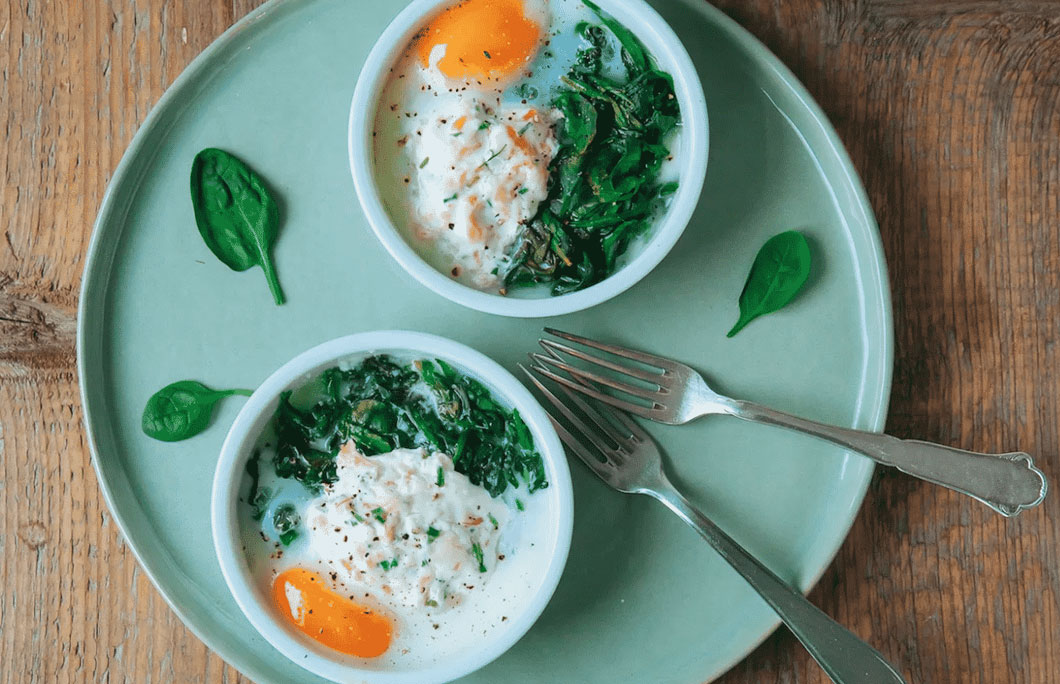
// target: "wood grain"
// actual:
[[951, 112]]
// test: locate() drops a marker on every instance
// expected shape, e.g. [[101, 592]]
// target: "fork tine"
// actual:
[[607, 450], [596, 415], [642, 357], [583, 374], [604, 470], [640, 374], [637, 433], [620, 404]]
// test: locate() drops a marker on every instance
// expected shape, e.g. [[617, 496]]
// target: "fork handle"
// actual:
[[1007, 483], [841, 654]]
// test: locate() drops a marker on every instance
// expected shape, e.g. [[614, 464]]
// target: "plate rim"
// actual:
[[93, 280]]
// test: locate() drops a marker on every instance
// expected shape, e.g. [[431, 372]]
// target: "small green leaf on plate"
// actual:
[[778, 273], [181, 410], [237, 217]]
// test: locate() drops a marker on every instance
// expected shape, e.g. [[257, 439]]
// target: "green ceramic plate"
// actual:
[[642, 599]]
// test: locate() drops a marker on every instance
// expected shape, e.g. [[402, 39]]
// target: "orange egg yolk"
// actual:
[[305, 600], [482, 38]]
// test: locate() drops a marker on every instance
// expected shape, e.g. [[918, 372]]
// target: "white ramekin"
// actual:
[[254, 600], [643, 256]]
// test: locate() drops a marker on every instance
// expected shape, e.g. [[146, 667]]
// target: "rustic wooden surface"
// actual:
[[951, 111]]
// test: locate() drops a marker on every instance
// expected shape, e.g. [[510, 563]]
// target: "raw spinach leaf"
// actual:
[[182, 409], [236, 215], [778, 273]]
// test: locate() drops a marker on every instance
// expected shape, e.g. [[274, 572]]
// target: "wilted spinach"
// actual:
[[384, 405], [778, 273], [603, 188], [236, 215], [182, 409], [286, 520]]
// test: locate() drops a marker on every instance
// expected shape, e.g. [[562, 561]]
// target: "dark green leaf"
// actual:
[[634, 56], [381, 405], [476, 551], [237, 217], [604, 188], [182, 410], [286, 520], [778, 273]]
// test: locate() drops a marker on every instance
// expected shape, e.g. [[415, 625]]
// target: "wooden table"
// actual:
[[951, 111]]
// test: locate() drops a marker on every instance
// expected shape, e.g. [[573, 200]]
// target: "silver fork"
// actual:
[[632, 464], [675, 394]]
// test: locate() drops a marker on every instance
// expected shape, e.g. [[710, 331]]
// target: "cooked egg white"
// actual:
[[469, 158], [457, 183], [481, 175], [407, 527], [385, 567]]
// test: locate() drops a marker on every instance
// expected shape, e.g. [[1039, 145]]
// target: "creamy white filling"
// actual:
[[480, 174], [406, 527]]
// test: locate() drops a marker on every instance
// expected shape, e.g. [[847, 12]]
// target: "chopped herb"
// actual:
[[449, 198], [357, 517], [493, 520], [432, 534], [523, 191], [432, 603], [423, 563], [424, 162], [484, 125], [441, 476], [379, 514], [476, 550], [519, 504], [457, 134], [388, 564], [525, 128], [493, 156], [487, 54]]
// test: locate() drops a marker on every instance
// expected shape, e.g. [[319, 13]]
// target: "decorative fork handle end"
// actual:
[[1007, 483], [1043, 485]]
